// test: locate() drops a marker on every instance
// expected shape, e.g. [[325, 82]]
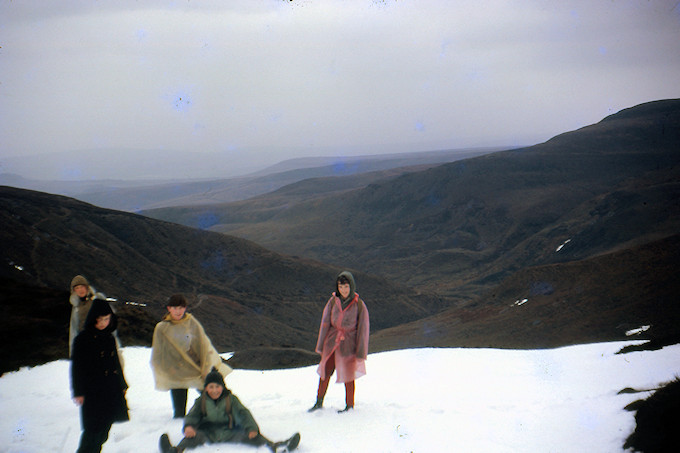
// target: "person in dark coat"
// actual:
[[219, 416], [82, 295], [97, 380]]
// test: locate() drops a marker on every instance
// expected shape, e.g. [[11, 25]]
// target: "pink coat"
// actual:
[[345, 333]]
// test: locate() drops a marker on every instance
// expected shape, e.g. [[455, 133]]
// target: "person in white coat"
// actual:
[[182, 354]]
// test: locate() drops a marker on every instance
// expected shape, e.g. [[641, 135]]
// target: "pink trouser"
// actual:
[[323, 383]]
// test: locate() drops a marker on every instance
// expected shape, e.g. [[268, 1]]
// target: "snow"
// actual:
[[637, 331], [562, 245], [416, 400]]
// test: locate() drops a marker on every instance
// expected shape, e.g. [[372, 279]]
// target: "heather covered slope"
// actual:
[[243, 294], [603, 298], [583, 226], [458, 229]]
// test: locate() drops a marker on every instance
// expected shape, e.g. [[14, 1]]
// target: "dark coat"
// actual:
[[96, 372]]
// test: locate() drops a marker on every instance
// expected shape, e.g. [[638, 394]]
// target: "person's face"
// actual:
[[103, 322], [214, 390], [177, 312], [80, 290], [343, 288]]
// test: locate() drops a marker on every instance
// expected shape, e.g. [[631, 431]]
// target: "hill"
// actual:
[[569, 211], [243, 294], [571, 241], [605, 298], [458, 229], [95, 185]]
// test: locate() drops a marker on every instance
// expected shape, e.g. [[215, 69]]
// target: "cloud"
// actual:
[[307, 77]]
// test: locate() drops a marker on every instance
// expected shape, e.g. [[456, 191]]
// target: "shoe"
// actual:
[[346, 409], [287, 445], [164, 444], [318, 405], [293, 442]]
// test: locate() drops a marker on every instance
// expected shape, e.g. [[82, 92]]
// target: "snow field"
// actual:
[[417, 400]]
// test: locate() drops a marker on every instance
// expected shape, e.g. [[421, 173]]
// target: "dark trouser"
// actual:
[[323, 383], [179, 402], [92, 441], [200, 438]]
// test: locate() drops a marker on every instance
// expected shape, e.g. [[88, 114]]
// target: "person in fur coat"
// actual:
[[343, 340], [97, 380], [182, 354], [82, 295], [219, 416]]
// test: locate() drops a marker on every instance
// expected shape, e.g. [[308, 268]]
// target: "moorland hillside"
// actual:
[[459, 229], [243, 294]]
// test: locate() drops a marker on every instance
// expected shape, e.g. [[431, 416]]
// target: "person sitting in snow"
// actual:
[[218, 416], [97, 378], [182, 354], [343, 340]]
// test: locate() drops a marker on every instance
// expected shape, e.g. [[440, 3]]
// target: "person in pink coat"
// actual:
[[343, 340]]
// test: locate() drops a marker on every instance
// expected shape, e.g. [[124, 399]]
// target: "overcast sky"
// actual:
[[324, 77]]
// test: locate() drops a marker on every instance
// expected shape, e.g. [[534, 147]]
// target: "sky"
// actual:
[[416, 400], [266, 80]]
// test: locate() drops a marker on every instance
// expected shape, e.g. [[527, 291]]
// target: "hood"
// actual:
[[100, 307], [80, 280], [352, 285]]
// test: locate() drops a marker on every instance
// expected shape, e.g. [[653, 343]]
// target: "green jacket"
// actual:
[[212, 417]]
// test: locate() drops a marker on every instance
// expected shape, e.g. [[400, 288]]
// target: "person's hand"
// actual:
[[79, 400], [252, 435], [189, 432]]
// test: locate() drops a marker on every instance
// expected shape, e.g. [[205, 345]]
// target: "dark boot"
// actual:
[[179, 402], [318, 405], [346, 409], [293, 442], [286, 445], [165, 446]]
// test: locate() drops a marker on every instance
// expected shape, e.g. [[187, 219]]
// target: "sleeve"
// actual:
[[119, 365], [194, 416], [324, 326], [155, 349], [242, 416], [78, 370], [204, 352], [209, 356], [363, 331]]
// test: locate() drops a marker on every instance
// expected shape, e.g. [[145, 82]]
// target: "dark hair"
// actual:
[[342, 280], [177, 300]]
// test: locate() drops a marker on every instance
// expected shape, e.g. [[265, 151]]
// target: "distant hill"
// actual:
[[243, 294], [127, 165], [134, 195], [461, 229]]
